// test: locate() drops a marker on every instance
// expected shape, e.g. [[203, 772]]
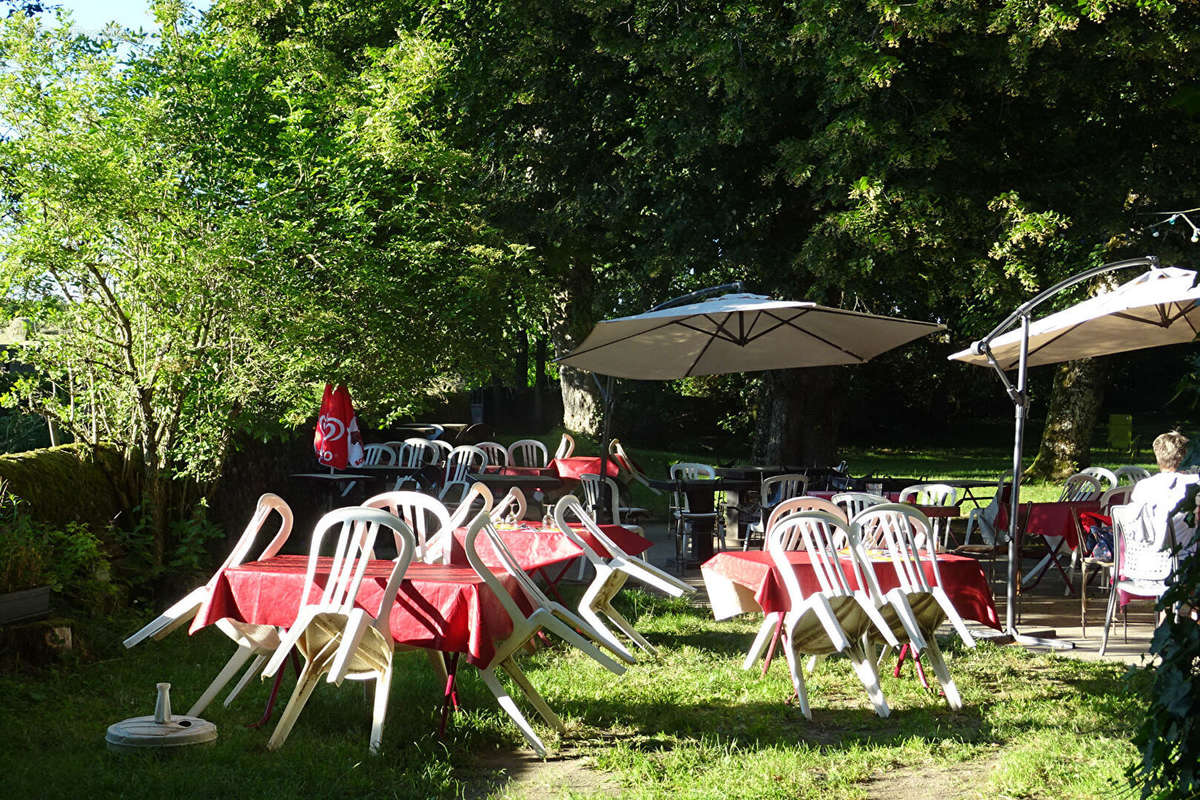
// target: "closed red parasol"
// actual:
[[337, 440]]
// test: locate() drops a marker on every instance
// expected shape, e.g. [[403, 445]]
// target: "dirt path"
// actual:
[[966, 781], [522, 774]]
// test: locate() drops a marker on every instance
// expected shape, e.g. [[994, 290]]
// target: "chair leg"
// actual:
[[864, 668], [310, 676], [231, 668], [765, 632], [797, 677], [250, 672], [1108, 616], [936, 660], [506, 702], [383, 685], [531, 694]]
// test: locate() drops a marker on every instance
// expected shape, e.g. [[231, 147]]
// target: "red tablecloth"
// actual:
[[493, 469], [1052, 519], [536, 547], [932, 512], [754, 570], [571, 468], [447, 608]]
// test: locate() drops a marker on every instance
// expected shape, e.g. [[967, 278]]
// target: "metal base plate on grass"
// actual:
[[141, 733]]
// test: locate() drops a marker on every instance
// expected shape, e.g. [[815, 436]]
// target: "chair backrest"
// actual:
[[416, 452], [906, 534], [816, 532], [378, 454], [566, 446], [442, 448], [855, 502], [464, 459], [1080, 487], [1107, 477], [929, 494], [1143, 543], [476, 494], [483, 525], [797, 505], [425, 515], [267, 503], [512, 505], [617, 451], [1118, 495], [497, 454], [591, 484], [1131, 473], [688, 471], [357, 530], [528, 453], [778, 488]]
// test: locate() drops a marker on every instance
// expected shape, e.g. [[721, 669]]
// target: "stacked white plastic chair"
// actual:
[[1144, 547], [1107, 477], [593, 500], [252, 640], [834, 619], [781, 512], [984, 519], [611, 574], [425, 516], [546, 615], [415, 453], [854, 503], [333, 634], [623, 460], [905, 534], [773, 491], [528, 453]]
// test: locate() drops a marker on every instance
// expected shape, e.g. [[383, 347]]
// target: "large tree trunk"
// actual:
[[1074, 405], [581, 401], [799, 414]]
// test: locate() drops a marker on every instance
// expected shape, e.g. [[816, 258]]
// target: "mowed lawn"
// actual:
[[688, 724]]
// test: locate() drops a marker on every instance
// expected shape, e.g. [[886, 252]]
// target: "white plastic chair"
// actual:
[[333, 634], [528, 453], [566, 446], [1131, 474], [497, 454], [682, 517], [546, 615], [1080, 487], [591, 483], [932, 494], [512, 507], [1144, 547], [854, 503], [624, 461], [781, 512], [414, 453], [834, 619], [984, 519], [773, 491], [441, 448], [906, 536], [1118, 495], [611, 574], [1107, 476], [251, 640], [425, 516], [461, 462], [378, 455]]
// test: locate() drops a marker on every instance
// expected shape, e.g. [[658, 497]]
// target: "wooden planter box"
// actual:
[[25, 604]]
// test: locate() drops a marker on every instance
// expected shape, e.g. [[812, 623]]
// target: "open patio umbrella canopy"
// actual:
[[1159, 307], [738, 333]]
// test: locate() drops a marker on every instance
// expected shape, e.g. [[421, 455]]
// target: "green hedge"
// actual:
[[70, 483]]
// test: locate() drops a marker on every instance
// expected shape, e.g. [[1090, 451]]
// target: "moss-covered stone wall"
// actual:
[[73, 482]]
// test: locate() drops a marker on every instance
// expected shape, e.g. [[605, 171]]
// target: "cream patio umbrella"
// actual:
[[735, 332], [1159, 307]]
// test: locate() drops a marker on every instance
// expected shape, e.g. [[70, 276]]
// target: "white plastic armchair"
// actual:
[[984, 519], [566, 446], [414, 453], [591, 483], [252, 640], [682, 517], [497, 454], [854, 503], [611, 574], [378, 455], [905, 534], [335, 635], [461, 462], [442, 448], [834, 619], [1107, 477], [425, 516], [528, 453], [1131, 474], [478, 499], [1144, 547], [524, 627], [512, 507], [933, 494], [773, 491]]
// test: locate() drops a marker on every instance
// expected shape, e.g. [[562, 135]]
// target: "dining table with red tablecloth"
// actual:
[[932, 512], [573, 467], [536, 545], [748, 581], [1051, 519], [438, 607]]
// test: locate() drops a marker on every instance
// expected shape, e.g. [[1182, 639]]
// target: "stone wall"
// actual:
[[72, 482]]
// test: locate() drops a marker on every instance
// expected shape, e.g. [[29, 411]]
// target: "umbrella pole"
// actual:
[[606, 395]]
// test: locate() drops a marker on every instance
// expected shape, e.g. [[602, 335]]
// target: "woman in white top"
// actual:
[[1164, 490]]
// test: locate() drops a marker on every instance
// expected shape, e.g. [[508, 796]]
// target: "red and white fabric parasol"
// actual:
[[337, 439]]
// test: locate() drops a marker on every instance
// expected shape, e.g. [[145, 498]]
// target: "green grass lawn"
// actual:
[[689, 724]]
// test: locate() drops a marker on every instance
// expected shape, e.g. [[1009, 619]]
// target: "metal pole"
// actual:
[[605, 423], [1021, 408]]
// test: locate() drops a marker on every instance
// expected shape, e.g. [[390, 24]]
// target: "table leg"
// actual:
[[270, 709], [450, 696], [775, 638]]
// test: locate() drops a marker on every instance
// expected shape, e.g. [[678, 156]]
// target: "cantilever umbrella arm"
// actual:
[[1020, 398]]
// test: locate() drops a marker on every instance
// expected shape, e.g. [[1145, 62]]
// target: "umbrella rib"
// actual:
[[1048, 342], [627, 337], [1162, 322], [712, 338], [791, 324]]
